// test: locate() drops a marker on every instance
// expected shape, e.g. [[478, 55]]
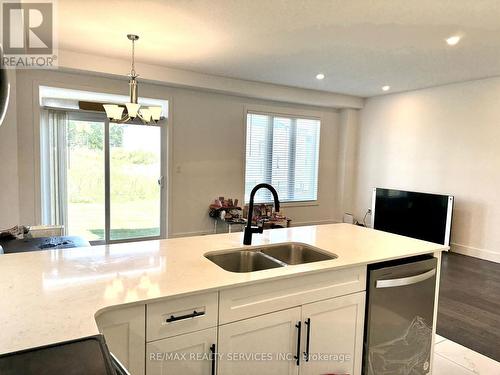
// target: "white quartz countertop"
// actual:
[[54, 295]]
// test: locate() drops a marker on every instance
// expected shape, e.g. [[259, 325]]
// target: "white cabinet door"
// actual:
[[262, 345], [188, 354], [125, 334], [335, 335]]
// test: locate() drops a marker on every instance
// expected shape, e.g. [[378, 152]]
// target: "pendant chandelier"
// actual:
[[116, 113]]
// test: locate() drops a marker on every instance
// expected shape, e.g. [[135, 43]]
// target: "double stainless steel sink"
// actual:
[[267, 257]]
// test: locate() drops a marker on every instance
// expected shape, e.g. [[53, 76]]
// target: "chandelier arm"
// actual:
[[144, 122], [123, 120]]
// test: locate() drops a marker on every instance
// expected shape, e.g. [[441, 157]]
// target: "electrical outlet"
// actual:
[[348, 218], [369, 211]]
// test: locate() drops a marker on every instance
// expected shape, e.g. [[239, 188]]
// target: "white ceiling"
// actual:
[[359, 45]]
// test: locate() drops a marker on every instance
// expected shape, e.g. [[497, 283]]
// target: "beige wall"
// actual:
[[443, 140], [207, 155], [347, 161], [209, 148], [9, 198]]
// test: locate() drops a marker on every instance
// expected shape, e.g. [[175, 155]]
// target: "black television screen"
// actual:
[[419, 215]]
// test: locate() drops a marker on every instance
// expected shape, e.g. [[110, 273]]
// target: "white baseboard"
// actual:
[[294, 224], [190, 234], [319, 222], [475, 252]]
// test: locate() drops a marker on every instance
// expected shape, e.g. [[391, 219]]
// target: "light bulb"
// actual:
[[453, 40], [155, 113], [132, 109], [110, 110], [118, 113], [145, 114]]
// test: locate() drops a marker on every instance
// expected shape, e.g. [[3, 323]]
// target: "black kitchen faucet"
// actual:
[[249, 230]]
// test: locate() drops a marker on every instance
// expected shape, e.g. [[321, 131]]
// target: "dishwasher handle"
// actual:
[[391, 283]]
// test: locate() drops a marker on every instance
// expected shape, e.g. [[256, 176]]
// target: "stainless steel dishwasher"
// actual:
[[399, 317]]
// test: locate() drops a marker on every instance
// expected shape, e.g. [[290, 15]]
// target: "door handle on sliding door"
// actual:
[[160, 181]]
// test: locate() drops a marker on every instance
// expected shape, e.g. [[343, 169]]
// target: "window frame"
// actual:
[[287, 113], [33, 211]]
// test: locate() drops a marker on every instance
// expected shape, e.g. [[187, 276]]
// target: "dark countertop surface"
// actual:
[[42, 243]]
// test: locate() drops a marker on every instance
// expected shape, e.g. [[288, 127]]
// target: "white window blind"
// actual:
[[282, 151]]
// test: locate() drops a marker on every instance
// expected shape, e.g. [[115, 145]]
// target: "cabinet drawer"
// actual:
[[181, 315], [247, 301]]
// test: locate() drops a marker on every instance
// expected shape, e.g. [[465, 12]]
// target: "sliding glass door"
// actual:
[[134, 181], [101, 180], [85, 178]]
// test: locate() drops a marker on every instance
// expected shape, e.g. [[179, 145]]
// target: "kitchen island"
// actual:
[[57, 295]]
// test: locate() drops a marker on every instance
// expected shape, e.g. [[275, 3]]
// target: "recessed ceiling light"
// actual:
[[386, 88], [320, 76], [453, 40]]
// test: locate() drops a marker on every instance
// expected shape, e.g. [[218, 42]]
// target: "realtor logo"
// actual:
[[28, 34], [27, 28]]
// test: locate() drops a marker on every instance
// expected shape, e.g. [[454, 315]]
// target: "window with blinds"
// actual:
[[282, 151]]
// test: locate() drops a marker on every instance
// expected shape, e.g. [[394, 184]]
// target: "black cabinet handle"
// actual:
[[297, 357], [213, 355], [187, 316], [308, 324]]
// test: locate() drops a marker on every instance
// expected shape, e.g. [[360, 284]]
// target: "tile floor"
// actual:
[[451, 358]]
